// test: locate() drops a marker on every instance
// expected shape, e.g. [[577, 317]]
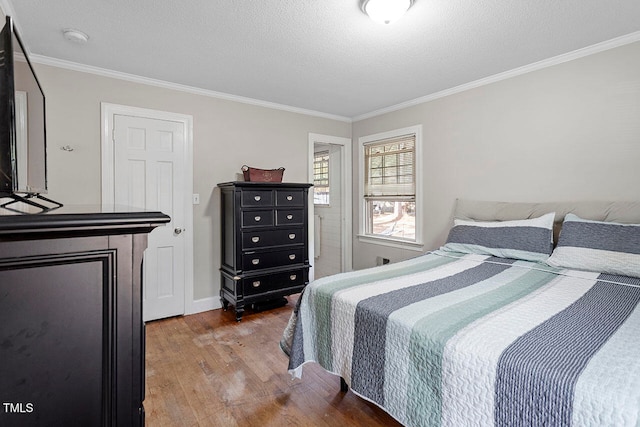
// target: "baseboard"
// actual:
[[204, 304]]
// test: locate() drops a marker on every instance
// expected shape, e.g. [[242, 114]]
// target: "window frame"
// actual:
[[363, 235], [324, 153]]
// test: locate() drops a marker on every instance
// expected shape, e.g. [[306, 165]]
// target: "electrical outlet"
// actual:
[[196, 199], [382, 261]]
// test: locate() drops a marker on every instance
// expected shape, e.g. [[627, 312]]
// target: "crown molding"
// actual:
[[74, 66], [545, 63], [7, 8]]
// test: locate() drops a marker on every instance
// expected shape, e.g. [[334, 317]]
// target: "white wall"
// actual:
[[567, 132], [227, 135]]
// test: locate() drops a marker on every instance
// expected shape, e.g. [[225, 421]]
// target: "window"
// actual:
[[389, 186], [321, 178]]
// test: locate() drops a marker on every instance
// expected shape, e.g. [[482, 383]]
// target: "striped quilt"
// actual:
[[448, 339]]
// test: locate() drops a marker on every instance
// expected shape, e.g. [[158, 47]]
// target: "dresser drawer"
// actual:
[[257, 198], [280, 258], [257, 218], [263, 239], [273, 282], [289, 217], [292, 197]]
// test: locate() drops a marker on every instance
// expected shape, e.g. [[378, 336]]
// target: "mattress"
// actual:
[[449, 339]]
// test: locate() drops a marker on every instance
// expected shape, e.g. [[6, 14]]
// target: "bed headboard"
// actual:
[[624, 212]]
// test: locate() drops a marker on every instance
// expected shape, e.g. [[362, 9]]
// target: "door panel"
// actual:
[[149, 173]]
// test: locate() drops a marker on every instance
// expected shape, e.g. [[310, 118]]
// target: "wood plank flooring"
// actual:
[[209, 370]]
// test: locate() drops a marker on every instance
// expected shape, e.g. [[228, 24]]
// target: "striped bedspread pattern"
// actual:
[[469, 340]]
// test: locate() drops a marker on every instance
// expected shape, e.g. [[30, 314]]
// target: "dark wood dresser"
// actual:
[[265, 242], [71, 330]]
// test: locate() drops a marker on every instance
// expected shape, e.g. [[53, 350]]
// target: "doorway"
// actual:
[[330, 222], [147, 164]]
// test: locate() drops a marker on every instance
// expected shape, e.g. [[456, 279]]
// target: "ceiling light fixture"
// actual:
[[385, 11], [75, 36]]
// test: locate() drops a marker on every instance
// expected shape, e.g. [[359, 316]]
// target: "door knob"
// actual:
[[177, 230]]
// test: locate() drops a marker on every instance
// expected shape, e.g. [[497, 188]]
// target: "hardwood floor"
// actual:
[[209, 370]]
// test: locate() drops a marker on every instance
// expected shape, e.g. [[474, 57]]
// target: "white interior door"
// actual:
[[149, 173]]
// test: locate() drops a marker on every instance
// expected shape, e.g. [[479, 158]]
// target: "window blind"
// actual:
[[321, 169], [390, 168]]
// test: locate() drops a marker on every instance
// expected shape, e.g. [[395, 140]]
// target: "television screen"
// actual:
[[23, 166]]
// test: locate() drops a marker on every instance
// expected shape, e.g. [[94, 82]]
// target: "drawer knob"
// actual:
[[255, 261], [289, 217], [257, 198], [255, 283], [257, 218], [292, 257], [289, 198], [292, 236], [255, 239], [293, 277]]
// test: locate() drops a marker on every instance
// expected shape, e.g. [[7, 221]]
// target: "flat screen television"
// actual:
[[23, 152]]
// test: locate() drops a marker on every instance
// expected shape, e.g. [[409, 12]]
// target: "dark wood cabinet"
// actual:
[[265, 242], [71, 330]]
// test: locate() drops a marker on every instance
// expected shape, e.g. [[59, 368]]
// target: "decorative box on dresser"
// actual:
[[71, 330], [265, 242]]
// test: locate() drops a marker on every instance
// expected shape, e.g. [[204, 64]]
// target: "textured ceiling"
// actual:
[[318, 55]]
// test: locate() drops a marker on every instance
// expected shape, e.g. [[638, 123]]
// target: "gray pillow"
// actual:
[[607, 247], [526, 239]]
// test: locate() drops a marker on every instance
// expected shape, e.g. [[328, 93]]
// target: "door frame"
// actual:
[[107, 122], [346, 195]]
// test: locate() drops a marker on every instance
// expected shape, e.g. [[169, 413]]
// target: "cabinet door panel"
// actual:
[[66, 381]]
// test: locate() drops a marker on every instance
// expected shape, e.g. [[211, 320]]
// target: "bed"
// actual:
[[504, 325]]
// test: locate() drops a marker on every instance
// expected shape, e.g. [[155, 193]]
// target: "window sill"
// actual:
[[395, 243]]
